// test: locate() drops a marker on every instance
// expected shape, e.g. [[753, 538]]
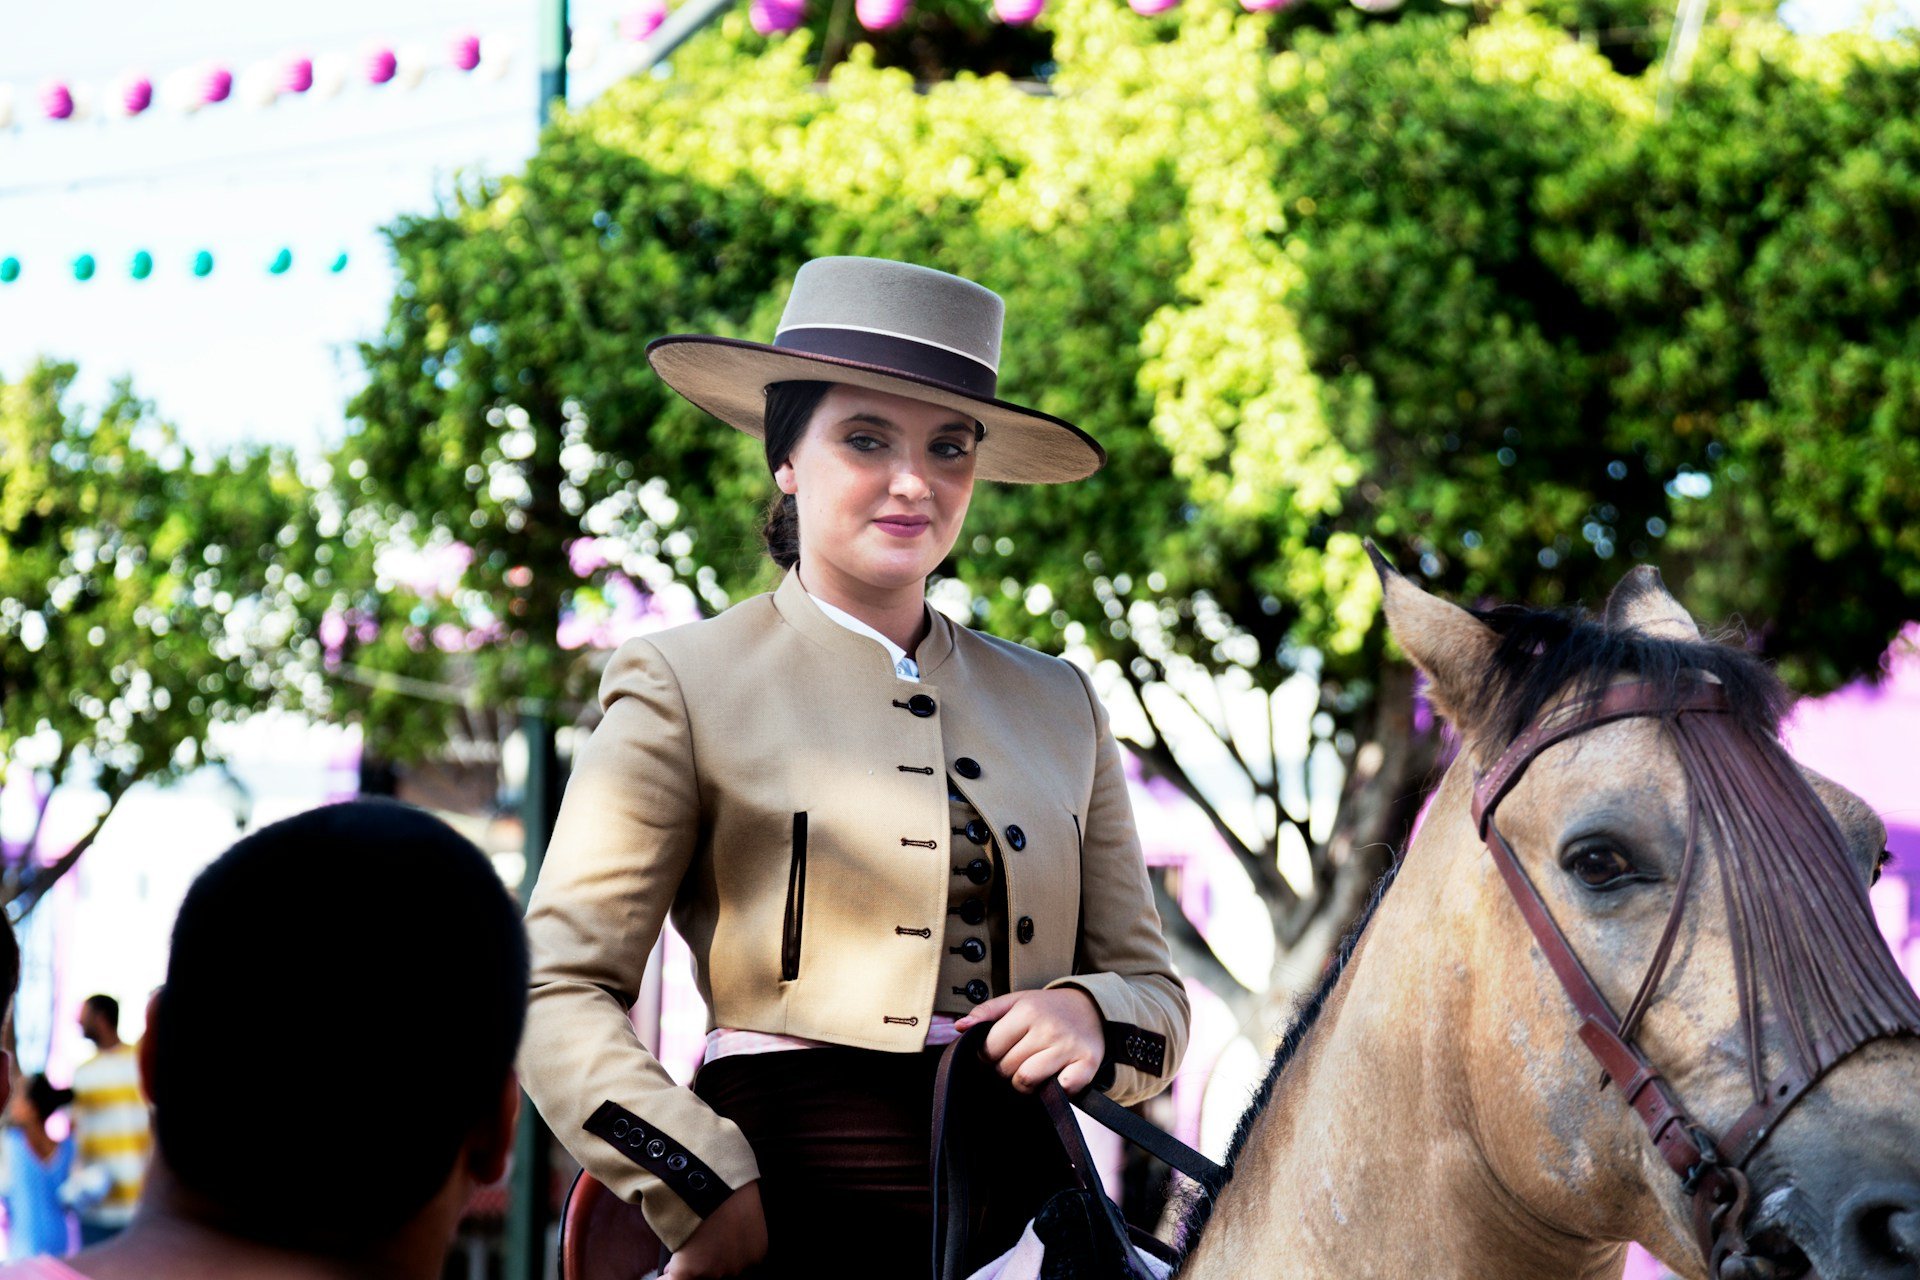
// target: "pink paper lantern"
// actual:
[[1265, 6], [776, 17], [638, 24], [1148, 8], [1018, 13], [57, 101], [878, 15], [381, 64], [466, 52], [136, 95], [216, 85], [298, 77]]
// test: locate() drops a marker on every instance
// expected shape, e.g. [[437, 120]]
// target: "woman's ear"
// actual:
[[783, 476]]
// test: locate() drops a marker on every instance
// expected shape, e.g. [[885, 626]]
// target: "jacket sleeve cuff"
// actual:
[[677, 1188], [1126, 1044]]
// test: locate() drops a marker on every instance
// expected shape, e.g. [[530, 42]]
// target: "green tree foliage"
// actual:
[[1444, 282], [136, 590], [1757, 253]]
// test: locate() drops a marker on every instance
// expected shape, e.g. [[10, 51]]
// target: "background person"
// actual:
[[110, 1126], [36, 1165], [875, 828], [282, 1150]]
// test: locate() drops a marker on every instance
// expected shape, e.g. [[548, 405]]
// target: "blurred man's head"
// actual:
[[100, 1020], [290, 1028]]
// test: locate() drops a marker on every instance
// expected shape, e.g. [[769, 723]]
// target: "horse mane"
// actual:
[[1542, 653], [1200, 1206]]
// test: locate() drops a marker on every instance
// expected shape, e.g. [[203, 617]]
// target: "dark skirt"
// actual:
[[842, 1137]]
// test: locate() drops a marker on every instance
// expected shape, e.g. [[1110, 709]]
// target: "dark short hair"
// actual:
[[107, 1007], [45, 1097], [343, 1002]]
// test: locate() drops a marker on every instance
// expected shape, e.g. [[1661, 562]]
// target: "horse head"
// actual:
[[1626, 986], [1716, 895]]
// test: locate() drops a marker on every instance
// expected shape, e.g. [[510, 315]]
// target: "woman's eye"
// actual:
[[864, 444], [949, 449], [1600, 866]]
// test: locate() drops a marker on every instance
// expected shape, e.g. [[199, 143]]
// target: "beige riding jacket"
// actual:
[[766, 778]]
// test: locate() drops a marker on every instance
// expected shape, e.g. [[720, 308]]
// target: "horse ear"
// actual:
[[1452, 646], [1641, 602]]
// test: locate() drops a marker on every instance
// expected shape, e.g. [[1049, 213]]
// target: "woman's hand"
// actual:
[[1041, 1034], [731, 1239]]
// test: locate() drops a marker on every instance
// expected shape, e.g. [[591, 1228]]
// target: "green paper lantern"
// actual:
[[142, 265], [339, 263], [83, 267], [9, 270], [281, 261], [203, 263]]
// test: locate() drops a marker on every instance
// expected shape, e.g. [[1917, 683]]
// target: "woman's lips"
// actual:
[[904, 526]]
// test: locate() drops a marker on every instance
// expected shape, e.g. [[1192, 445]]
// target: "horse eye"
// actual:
[[1880, 864], [1600, 866]]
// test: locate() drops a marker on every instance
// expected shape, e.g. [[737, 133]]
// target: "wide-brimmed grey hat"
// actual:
[[891, 326]]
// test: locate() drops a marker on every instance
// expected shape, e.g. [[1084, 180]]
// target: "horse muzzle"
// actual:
[[1872, 1233]]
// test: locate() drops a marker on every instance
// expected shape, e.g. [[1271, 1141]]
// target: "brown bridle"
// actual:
[[1711, 1171]]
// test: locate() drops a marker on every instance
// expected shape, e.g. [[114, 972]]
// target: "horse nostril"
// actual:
[[1903, 1232], [1880, 1230]]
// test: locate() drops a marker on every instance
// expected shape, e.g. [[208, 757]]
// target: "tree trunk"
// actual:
[[1387, 783]]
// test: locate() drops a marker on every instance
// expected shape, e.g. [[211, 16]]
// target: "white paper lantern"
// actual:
[[6, 106], [415, 60], [329, 75], [259, 85], [180, 91], [496, 55]]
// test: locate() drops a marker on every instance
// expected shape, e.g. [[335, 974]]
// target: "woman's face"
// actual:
[[882, 482]]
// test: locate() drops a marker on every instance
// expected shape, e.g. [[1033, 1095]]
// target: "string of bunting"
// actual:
[[140, 266], [261, 84]]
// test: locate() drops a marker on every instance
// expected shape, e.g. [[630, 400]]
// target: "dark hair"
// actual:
[[107, 1007], [351, 980], [790, 407], [1544, 652], [44, 1097], [9, 965]]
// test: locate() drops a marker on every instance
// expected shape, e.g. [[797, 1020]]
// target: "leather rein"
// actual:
[[1711, 1171]]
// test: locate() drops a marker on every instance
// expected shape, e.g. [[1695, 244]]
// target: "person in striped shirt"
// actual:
[[113, 1137]]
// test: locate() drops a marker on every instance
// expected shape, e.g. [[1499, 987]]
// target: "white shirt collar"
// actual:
[[903, 666]]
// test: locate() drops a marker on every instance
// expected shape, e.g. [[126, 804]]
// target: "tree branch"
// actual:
[[1196, 958], [27, 895]]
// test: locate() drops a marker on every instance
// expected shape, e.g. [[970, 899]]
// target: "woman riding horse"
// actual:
[[875, 828]]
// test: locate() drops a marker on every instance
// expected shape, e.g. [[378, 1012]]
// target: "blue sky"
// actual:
[[242, 354]]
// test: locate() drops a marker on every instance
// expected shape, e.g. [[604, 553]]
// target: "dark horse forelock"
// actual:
[[1809, 961]]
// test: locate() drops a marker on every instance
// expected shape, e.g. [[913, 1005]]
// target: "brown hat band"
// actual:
[[890, 351]]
